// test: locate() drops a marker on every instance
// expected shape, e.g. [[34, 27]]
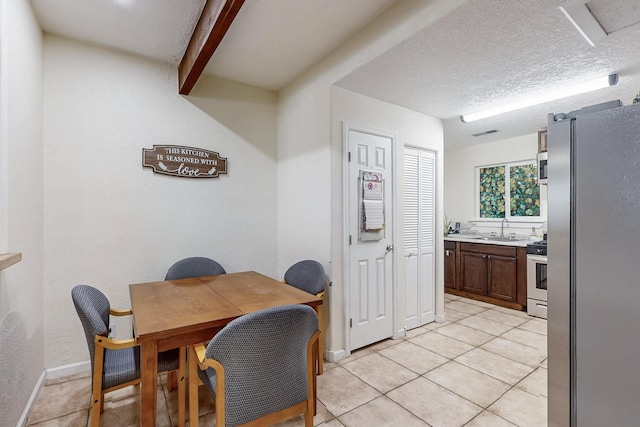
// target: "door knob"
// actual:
[[389, 249]]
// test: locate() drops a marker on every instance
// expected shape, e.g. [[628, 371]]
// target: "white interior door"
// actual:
[[370, 262], [419, 236]]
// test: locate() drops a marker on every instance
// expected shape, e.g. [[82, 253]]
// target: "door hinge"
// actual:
[[351, 323], [349, 239], [349, 156]]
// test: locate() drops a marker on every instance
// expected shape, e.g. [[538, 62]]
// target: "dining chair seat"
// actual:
[[116, 363]]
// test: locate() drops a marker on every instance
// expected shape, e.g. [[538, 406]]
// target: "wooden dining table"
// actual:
[[175, 313]]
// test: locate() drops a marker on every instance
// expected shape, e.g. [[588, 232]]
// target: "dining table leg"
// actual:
[[149, 377]]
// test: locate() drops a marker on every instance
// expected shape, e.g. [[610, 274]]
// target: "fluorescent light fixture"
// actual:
[[552, 95]]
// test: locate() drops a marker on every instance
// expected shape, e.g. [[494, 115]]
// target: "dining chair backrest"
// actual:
[[264, 357], [307, 275], [194, 267], [92, 307]]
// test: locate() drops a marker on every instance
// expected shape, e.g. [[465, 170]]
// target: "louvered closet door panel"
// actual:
[[427, 236], [411, 235], [419, 236]]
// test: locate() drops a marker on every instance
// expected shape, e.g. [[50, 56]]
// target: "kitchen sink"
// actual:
[[498, 238]]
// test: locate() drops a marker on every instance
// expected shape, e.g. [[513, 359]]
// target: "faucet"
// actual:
[[502, 226]]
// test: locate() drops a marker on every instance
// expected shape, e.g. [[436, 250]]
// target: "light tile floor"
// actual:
[[484, 367]]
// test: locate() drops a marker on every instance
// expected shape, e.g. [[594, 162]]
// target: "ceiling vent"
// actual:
[[596, 20], [486, 132]]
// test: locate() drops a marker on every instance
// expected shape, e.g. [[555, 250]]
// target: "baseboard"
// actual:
[[22, 422], [334, 356], [68, 370], [441, 318]]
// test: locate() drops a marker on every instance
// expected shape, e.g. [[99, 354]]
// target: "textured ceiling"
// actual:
[[270, 43], [490, 52], [483, 54]]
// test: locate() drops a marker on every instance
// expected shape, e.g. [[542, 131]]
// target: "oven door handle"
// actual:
[[542, 259]]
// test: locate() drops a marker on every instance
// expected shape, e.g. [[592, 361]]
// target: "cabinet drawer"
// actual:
[[448, 245], [508, 251]]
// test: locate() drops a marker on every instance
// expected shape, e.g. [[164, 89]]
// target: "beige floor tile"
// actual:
[[441, 344], [77, 376], [384, 344], [381, 412], [356, 355], [77, 419], [379, 372], [464, 307], [538, 326], [465, 334], [476, 302], [321, 418], [513, 312], [453, 315], [515, 351], [417, 331], [451, 297], [126, 412], [475, 386], [521, 408], [529, 338], [328, 365], [332, 423], [435, 325], [489, 419], [535, 383], [485, 325], [414, 357], [341, 391], [62, 398], [499, 367], [501, 317], [434, 404]]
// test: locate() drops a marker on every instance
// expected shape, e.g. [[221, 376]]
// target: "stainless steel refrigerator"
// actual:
[[594, 266]]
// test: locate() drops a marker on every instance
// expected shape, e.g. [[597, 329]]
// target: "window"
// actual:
[[521, 198]]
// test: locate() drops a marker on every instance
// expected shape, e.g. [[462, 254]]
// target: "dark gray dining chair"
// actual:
[[308, 275], [259, 368], [116, 363], [194, 267]]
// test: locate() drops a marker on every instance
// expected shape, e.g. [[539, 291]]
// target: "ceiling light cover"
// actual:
[[556, 93]]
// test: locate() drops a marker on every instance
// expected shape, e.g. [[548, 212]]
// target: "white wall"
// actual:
[[21, 211], [305, 157], [459, 173], [110, 222], [411, 129]]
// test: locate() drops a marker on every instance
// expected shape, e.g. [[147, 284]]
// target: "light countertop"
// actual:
[[487, 240]]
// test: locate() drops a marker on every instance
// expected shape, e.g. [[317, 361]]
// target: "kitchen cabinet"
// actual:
[[490, 273], [450, 265]]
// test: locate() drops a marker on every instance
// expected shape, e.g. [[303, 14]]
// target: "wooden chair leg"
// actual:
[[193, 388], [182, 386], [320, 339]]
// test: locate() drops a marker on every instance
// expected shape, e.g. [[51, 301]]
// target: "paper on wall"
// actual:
[[373, 214]]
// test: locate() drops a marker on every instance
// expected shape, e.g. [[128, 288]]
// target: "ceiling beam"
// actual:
[[216, 18]]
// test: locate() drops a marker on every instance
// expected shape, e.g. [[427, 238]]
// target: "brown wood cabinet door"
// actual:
[[473, 272], [502, 277], [450, 269]]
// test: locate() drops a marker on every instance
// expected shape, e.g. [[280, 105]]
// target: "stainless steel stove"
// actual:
[[537, 279]]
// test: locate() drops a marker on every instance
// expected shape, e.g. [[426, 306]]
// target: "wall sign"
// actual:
[[186, 162]]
